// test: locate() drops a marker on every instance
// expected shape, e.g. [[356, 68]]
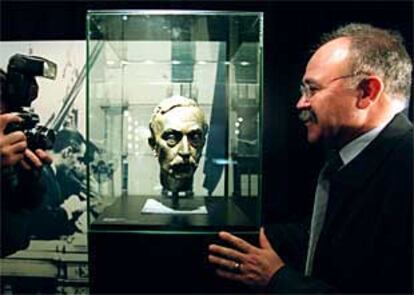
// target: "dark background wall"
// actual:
[[291, 28]]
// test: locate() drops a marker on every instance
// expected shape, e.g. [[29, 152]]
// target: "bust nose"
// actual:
[[184, 150]]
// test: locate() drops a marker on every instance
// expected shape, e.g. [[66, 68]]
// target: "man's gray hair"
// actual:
[[380, 52]]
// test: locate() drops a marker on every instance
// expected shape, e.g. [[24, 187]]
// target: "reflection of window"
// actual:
[[246, 63], [182, 57]]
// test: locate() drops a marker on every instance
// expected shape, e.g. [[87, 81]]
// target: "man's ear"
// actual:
[[66, 152], [370, 89]]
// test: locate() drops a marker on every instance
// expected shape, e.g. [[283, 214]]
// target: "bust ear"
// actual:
[[153, 145], [370, 89], [151, 142]]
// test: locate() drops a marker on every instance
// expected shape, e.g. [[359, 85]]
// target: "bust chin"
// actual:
[[174, 184]]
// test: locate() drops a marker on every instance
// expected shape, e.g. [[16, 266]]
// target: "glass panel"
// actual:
[[138, 59]]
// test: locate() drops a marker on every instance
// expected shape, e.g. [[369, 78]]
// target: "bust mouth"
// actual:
[[182, 169]]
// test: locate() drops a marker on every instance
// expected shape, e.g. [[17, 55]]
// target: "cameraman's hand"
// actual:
[[36, 159], [72, 205], [12, 145]]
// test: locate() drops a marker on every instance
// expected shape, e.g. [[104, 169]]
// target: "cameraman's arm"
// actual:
[[19, 189], [20, 173], [31, 187]]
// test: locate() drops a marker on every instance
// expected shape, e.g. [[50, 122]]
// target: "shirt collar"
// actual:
[[356, 146], [53, 167]]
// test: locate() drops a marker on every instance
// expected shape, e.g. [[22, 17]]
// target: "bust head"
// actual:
[[178, 131]]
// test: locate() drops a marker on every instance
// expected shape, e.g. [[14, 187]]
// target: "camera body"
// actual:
[[20, 90], [38, 137]]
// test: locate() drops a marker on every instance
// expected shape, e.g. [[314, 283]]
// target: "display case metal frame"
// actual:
[[121, 234]]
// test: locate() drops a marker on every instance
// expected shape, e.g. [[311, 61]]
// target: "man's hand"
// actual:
[[36, 159], [246, 263], [72, 205], [12, 145]]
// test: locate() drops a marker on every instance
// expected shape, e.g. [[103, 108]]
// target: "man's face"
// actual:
[[73, 161], [330, 101], [179, 140]]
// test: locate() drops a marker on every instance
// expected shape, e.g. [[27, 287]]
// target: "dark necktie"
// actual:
[[332, 165]]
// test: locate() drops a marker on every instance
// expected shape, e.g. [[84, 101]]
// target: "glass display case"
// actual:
[[139, 59], [174, 104]]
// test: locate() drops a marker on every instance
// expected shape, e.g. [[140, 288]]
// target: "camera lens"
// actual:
[[41, 138]]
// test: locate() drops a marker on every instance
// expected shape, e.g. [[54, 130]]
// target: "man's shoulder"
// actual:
[[396, 140], [399, 127], [401, 134]]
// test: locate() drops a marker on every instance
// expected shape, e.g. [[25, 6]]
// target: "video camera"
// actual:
[[21, 89]]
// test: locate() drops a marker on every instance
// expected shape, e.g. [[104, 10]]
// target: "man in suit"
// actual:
[[62, 205], [359, 240]]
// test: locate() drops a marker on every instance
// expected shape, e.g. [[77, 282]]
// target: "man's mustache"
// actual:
[[308, 116]]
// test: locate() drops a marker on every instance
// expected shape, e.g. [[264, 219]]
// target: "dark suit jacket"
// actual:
[[20, 192], [49, 220], [69, 184], [366, 242]]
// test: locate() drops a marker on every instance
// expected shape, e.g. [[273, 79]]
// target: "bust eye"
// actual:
[[172, 138], [196, 138]]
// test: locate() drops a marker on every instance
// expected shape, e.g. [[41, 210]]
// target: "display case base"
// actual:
[[131, 252]]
